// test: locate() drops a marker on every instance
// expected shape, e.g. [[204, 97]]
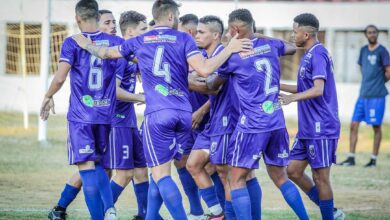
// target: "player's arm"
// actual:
[[126, 96], [288, 88], [387, 72], [198, 84], [289, 48], [55, 85], [100, 51], [315, 91], [214, 82], [198, 115], [205, 67]]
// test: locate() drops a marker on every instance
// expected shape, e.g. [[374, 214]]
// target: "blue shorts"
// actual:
[[164, 133], [246, 149], [370, 110], [320, 153], [216, 146], [87, 142], [125, 149]]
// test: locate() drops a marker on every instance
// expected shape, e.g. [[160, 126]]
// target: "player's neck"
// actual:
[[248, 35], [373, 46], [163, 24], [211, 48], [310, 43], [89, 27]]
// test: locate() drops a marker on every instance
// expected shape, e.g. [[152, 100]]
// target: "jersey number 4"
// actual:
[[161, 69], [264, 65]]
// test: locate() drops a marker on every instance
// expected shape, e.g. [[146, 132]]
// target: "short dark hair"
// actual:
[[307, 19], [130, 19], [104, 11], [216, 21], [152, 23], [162, 7], [371, 26], [241, 14], [87, 9], [189, 19]]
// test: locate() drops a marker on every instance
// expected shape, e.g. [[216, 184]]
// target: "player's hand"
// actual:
[[140, 98], [81, 40], [197, 118], [285, 99], [239, 45], [47, 106]]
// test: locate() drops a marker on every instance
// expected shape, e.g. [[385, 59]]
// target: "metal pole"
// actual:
[[44, 66], [24, 67]]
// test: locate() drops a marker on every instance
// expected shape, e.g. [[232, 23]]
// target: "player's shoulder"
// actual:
[[382, 48], [113, 39], [319, 50]]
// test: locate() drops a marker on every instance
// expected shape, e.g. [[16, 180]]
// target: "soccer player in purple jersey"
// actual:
[[107, 22], [92, 103], [318, 122], [261, 129]]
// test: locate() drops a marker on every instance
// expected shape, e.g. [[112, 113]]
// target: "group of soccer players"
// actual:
[[213, 109]]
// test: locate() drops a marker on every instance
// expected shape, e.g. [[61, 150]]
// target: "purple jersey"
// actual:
[[223, 106], [124, 111], [162, 60], [256, 77], [92, 81], [317, 117], [197, 100]]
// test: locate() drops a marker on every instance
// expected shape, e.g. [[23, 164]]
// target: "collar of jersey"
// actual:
[[314, 46], [216, 49], [92, 33], [162, 28]]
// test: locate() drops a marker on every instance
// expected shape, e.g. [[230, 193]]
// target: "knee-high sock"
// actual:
[[154, 201], [104, 187], [141, 193], [68, 195], [191, 190], [294, 199], [326, 207], [172, 198], [92, 194], [242, 203], [255, 194], [116, 190]]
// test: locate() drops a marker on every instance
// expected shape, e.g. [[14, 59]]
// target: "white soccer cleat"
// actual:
[[338, 214], [196, 217], [110, 214]]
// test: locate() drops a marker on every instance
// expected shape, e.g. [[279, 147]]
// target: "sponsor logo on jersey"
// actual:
[[257, 156], [88, 101], [86, 150], [282, 155], [160, 38], [256, 51]]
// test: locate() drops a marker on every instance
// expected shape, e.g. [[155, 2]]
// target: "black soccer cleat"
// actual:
[[57, 213], [137, 217], [350, 161], [372, 163], [215, 217]]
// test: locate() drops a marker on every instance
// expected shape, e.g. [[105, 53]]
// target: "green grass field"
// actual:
[[32, 176]]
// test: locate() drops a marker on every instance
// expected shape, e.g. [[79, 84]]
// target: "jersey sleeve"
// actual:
[[385, 57], [190, 47], [279, 45], [360, 59], [225, 70], [120, 68], [128, 47], [319, 64], [67, 51]]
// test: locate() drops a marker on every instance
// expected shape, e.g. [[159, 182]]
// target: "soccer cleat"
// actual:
[[110, 214], [350, 161], [215, 217], [57, 213], [196, 217], [137, 217], [338, 214], [372, 163]]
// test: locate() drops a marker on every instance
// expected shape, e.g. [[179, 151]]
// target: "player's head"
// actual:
[[188, 23], [151, 24], [240, 22], [371, 32], [107, 22], [305, 27], [210, 30], [87, 11], [167, 12], [132, 24]]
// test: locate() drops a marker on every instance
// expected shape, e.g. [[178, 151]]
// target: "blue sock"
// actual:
[[141, 193], [91, 194], [241, 203], [210, 197], [219, 189], [172, 198], [255, 194], [191, 190], [68, 195], [326, 207], [314, 196], [116, 190], [154, 201], [104, 187], [294, 199], [229, 211]]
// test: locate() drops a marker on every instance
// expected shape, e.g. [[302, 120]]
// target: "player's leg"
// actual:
[[164, 132], [276, 158], [218, 185], [255, 194], [187, 181], [239, 192], [321, 179], [222, 170]]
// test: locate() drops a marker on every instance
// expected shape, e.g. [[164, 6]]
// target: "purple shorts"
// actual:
[[87, 142], [216, 146], [246, 149], [319, 153], [165, 132], [125, 149]]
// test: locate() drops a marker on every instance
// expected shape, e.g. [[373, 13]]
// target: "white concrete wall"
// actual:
[[13, 97]]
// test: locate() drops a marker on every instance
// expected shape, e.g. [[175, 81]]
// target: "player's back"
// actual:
[[92, 81], [256, 79], [162, 58]]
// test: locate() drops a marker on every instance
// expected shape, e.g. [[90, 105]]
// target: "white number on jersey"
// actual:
[[95, 76], [125, 152], [157, 70], [264, 65]]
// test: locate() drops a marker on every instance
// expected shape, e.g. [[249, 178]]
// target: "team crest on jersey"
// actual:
[[213, 147], [160, 38], [302, 71], [256, 51], [372, 59], [312, 152]]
